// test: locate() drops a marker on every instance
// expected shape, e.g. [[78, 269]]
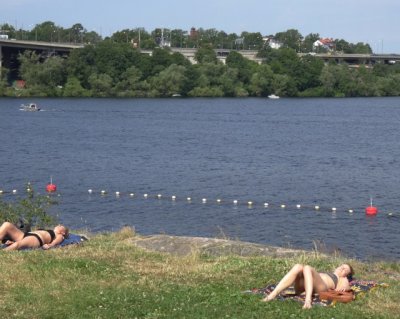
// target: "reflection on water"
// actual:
[[326, 152]]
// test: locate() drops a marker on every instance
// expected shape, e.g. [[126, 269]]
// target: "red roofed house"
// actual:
[[326, 43]]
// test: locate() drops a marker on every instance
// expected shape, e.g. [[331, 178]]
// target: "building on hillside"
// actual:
[[324, 43], [193, 33], [272, 42]]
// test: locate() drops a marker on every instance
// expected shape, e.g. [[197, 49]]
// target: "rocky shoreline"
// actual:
[[185, 246]]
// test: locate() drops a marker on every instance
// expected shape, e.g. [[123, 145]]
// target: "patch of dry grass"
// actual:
[[108, 277]]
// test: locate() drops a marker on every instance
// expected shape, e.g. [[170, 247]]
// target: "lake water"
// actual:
[[334, 153]]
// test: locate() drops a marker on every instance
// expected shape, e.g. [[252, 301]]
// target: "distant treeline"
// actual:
[[115, 67], [194, 38]]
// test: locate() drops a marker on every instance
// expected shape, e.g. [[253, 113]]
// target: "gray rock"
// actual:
[[184, 246]]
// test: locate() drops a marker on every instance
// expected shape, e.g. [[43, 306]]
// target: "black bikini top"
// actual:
[[51, 233]]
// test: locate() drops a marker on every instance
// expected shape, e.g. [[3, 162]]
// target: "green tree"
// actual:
[[178, 38], [244, 66], [208, 37], [160, 59], [361, 48], [230, 82], [81, 63], [170, 81], [131, 85], [252, 41], [206, 55], [261, 81], [309, 74], [47, 31], [308, 43], [76, 33], [342, 45], [8, 30], [73, 88], [101, 85], [291, 38], [283, 85], [46, 76]]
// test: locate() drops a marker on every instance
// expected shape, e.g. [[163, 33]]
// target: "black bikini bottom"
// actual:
[[35, 235]]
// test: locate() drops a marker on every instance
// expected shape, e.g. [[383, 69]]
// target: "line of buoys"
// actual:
[[235, 202], [51, 188]]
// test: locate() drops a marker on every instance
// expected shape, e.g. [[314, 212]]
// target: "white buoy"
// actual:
[[173, 197], [90, 191], [131, 194], [188, 199], [235, 202], [1, 191], [249, 203], [351, 211], [103, 192], [14, 191], [117, 194], [298, 206], [204, 200], [266, 204], [316, 207], [334, 209], [218, 201], [159, 195], [283, 206], [145, 195]]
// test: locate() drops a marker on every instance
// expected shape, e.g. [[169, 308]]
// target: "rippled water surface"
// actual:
[[334, 153]]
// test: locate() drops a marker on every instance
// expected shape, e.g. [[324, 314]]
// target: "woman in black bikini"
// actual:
[[306, 278], [34, 239]]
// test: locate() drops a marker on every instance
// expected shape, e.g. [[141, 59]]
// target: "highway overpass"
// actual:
[[9, 50]]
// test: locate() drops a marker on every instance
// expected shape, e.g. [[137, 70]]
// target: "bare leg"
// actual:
[[8, 229], [312, 282], [293, 276], [27, 242]]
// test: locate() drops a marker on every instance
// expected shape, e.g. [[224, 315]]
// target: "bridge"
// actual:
[[9, 50], [356, 59], [221, 54], [351, 59]]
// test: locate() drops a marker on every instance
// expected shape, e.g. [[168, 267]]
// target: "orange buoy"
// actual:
[[51, 188], [371, 210]]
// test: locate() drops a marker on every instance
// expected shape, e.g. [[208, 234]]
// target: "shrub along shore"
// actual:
[[112, 276], [111, 69]]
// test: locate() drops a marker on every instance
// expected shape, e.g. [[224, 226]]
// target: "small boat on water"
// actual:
[[273, 96], [31, 107]]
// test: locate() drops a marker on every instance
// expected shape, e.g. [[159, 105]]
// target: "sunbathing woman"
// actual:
[[306, 278], [34, 239]]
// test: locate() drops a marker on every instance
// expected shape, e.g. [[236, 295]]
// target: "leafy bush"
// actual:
[[29, 211]]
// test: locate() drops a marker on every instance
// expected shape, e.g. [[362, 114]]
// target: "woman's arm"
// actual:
[[343, 284], [58, 240]]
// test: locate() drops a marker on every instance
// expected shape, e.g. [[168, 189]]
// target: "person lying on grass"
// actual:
[[306, 279], [40, 238]]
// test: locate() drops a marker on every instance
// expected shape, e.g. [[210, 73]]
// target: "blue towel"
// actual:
[[72, 239]]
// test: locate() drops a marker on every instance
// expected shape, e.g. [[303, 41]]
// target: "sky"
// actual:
[[374, 22]]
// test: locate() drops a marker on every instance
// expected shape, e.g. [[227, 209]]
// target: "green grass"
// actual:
[[108, 277]]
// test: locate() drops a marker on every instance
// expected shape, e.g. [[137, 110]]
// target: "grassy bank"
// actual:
[[108, 277]]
